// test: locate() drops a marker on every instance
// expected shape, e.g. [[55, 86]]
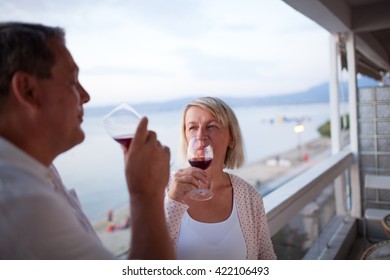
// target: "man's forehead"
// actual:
[[63, 55]]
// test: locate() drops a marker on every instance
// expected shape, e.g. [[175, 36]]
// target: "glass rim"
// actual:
[[122, 106]]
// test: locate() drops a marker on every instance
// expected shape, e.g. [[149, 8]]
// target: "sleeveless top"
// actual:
[[205, 241]]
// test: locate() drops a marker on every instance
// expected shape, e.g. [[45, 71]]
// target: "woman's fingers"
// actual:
[[185, 180]]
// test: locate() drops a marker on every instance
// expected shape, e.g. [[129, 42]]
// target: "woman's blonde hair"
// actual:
[[235, 157]]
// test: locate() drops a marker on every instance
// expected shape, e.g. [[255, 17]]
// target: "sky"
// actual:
[[155, 50]]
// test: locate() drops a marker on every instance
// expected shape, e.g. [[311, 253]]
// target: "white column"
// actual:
[[356, 210], [334, 94], [339, 182]]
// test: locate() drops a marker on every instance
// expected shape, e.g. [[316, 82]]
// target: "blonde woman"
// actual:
[[232, 224]]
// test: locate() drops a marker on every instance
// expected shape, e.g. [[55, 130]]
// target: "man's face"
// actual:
[[62, 100]]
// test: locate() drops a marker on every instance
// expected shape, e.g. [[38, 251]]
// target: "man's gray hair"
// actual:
[[25, 47]]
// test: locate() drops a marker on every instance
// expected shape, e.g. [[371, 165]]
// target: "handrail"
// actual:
[[285, 202]]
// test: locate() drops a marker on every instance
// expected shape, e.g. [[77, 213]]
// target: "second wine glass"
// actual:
[[200, 155]]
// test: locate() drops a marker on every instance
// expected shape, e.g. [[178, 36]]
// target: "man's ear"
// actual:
[[24, 87]]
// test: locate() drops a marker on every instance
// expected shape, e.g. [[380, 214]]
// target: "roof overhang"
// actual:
[[369, 20]]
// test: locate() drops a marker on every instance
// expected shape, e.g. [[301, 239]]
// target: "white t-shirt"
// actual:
[[211, 241], [39, 218]]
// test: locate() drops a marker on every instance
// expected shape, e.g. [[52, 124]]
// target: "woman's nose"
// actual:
[[203, 134]]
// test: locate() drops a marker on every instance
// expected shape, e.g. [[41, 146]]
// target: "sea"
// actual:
[[95, 168]]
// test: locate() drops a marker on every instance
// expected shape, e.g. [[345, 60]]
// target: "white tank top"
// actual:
[[211, 241]]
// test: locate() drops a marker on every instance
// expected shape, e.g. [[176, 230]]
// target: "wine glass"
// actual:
[[200, 155], [121, 123]]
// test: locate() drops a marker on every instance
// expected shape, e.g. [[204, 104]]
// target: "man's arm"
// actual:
[[147, 174]]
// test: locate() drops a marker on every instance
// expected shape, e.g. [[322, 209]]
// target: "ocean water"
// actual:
[[95, 167]]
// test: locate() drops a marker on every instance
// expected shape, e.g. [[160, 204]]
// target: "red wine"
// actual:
[[200, 163], [124, 140]]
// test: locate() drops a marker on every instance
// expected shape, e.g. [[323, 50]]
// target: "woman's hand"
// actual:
[[185, 180]]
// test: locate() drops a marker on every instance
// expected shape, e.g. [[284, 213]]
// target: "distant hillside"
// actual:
[[317, 94]]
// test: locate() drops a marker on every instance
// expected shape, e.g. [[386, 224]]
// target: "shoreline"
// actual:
[[266, 170], [265, 175]]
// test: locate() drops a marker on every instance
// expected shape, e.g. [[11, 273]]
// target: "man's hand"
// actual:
[[147, 174], [147, 163]]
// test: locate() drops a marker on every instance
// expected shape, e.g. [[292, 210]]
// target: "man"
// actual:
[[41, 111]]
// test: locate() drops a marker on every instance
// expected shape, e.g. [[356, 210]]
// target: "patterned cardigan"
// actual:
[[251, 215]]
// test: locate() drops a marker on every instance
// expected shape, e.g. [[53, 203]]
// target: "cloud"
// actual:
[[163, 48], [116, 70], [214, 67]]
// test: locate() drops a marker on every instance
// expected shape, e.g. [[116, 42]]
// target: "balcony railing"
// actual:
[[285, 202], [289, 200]]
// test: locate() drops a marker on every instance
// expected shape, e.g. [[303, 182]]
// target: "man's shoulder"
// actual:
[[18, 183]]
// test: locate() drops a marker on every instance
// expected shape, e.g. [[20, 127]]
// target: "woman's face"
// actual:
[[202, 124]]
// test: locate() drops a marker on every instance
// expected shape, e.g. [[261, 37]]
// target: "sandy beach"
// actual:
[[265, 175]]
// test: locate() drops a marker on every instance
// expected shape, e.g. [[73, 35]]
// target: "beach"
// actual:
[[265, 175]]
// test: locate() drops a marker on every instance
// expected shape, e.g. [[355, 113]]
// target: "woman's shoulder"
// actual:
[[241, 184], [245, 193]]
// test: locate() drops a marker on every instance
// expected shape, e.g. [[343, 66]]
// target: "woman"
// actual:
[[232, 224]]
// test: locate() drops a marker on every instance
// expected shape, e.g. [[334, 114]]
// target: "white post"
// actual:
[[356, 210], [334, 94], [339, 182]]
